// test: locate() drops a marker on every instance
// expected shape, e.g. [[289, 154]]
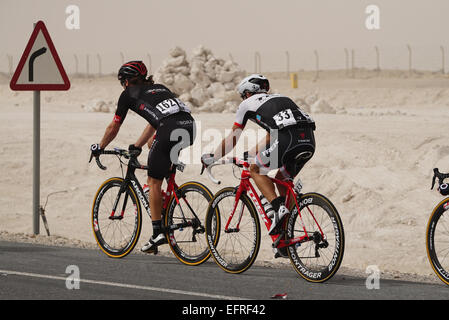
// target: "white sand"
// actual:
[[374, 160]]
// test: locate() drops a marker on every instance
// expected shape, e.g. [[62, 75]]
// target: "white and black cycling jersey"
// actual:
[[272, 112]]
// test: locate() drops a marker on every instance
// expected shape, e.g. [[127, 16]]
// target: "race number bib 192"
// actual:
[[284, 118], [168, 106], [171, 106]]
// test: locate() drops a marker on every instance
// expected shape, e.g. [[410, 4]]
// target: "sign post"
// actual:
[[36, 146], [36, 158], [39, 69]]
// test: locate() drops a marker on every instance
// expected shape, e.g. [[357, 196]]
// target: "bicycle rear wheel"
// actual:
[[234, 243], [188, 243], [116, 232], [317, 258], [437, 240]]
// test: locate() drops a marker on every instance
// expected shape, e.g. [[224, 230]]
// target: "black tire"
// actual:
[[437, 240], [189, 244], [118, 237], [316, 260], [235, 251]]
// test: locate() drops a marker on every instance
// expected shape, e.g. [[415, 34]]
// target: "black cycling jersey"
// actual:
[[152, 102], [272, 112]]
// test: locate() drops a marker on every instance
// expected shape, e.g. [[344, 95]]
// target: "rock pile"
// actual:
[[98, 105], [204, 82]]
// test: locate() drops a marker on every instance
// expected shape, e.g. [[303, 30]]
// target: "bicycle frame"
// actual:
[[247, 187], [131, 180]]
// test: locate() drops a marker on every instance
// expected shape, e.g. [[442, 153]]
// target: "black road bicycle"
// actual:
[[437, 234], [117, 212]]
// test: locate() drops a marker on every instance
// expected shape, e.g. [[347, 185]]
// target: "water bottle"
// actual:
[[146, 190], [298, 186]]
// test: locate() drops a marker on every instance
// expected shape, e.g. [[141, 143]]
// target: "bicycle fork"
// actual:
[[116, 202]]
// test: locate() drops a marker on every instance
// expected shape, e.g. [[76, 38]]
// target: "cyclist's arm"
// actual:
[[110, 133], [147, 133], [228, 143], [119, 116]]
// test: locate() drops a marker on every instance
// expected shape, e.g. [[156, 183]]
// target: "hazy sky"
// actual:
[[237, 27]]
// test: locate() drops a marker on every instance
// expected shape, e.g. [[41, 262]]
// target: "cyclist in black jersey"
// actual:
[[171, 128], [288, 145]]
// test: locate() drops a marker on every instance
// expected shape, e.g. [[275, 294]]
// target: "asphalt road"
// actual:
[[29, 271]]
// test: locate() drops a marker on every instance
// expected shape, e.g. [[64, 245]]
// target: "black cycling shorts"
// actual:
[[288, 150], [174, 134]]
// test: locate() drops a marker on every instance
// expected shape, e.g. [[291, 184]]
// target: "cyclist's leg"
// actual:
[[158, 167], [266, 160], [300, 150], [176, 134], [182, 136], [263, 182]]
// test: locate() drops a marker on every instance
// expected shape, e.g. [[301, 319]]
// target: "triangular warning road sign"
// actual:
[[40, 67]]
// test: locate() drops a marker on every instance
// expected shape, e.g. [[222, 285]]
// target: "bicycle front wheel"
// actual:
[[116, 231], [188, 243], [318, 256], [437, 240], [232, 231]]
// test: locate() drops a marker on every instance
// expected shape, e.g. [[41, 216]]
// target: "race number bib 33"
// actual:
[[284, 118]]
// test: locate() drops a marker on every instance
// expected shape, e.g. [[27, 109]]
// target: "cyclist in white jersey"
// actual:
[[288, 145]]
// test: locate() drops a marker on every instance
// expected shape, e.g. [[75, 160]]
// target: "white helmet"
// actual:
[[254, 83]]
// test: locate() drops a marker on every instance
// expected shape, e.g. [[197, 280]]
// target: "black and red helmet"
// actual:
[[132, 69]]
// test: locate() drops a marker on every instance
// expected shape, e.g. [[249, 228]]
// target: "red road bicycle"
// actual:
[[312, 236]]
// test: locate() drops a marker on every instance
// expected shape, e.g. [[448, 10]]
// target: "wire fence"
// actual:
[[408, 57]]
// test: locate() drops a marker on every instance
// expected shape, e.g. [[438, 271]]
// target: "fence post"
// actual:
[[87, 65], [149, 62], [353, 63], [257, 63], [410, 70], [76, 65], [377, 59], [10, 63], [288, 63], [317, 65], [123, 58], [347, 61], [443, 71], [99, 64]]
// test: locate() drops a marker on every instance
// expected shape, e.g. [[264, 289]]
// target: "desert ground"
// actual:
[[379, 135]]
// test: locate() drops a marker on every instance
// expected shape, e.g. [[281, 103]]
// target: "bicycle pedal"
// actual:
[[280, 253]]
